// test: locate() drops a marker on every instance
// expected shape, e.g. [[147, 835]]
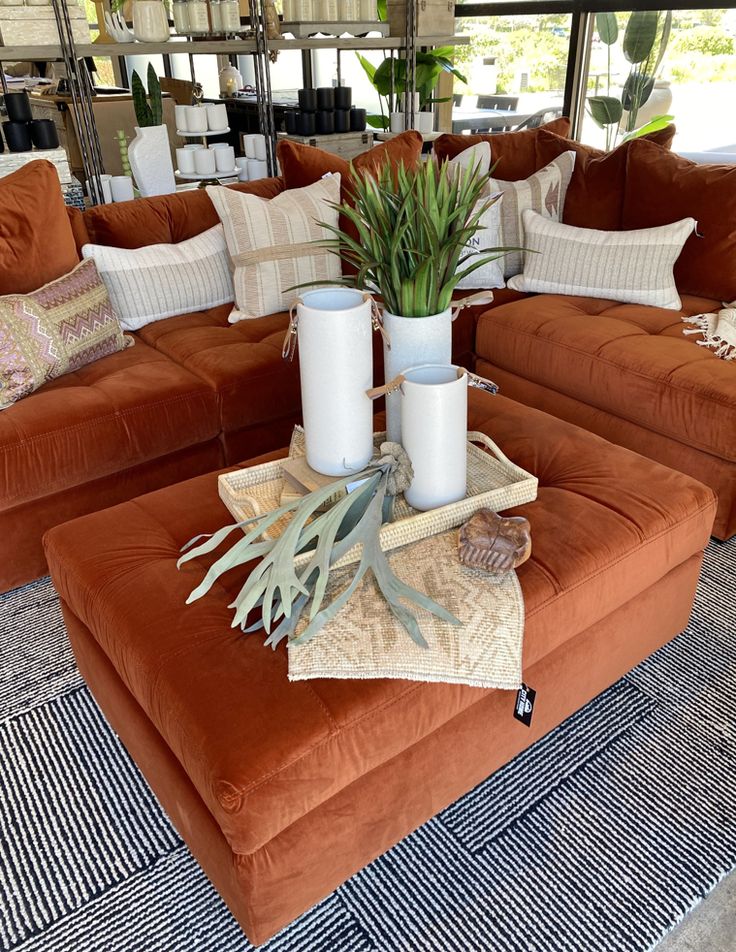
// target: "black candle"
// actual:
[[18, 136], [357, 120], [325, 122], [342, 120], [343, 97], [290, 121], [305, 124], [325, 97], [307, 100], [18, 106], [44, 134]]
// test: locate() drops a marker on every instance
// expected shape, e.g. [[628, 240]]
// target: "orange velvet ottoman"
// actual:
[[283, 790]]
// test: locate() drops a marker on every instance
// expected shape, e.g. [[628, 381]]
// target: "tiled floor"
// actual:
[[711, 927]]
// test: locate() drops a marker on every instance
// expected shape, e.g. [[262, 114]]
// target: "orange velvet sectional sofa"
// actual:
[[196, 393]]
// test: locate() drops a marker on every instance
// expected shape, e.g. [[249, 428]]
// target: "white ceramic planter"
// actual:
[[434, 425], [414, 341], [336, 369], [150, 160], [150, 21]]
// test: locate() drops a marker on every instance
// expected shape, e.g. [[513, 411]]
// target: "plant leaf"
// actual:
[[607, 26], [640, 34], [605, 110]]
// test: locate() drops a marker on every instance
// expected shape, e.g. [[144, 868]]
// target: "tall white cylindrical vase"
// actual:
[[413, 341], [336, 370], [434, 425]]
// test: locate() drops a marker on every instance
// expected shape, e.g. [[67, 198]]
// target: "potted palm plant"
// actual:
[[407, 235], [149, 153]]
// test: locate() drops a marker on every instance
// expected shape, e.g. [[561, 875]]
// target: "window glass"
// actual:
[[679, 63], [513, 63]]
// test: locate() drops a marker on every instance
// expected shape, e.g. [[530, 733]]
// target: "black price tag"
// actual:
[[524, 706]]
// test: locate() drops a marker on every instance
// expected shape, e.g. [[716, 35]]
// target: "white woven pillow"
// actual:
[[271, 243], [634, 267], [157, 281], [489, 275], [544, 192]]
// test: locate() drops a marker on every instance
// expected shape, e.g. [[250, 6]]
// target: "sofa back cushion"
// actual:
[[515, 153], [165, 219], [662, 187], [303, 165], [595, 197], [36, 239]]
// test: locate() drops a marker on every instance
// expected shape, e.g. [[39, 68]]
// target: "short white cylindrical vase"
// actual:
[[336, 369], [121, 188], [434, 425], [413, 341]]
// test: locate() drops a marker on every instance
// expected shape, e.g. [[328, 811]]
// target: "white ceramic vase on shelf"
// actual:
[[336, 369], [150, 160], [434, 425], [150, 21], [413, 341]]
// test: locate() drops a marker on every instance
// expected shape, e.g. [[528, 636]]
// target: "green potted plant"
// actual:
[[407, 237], [643, 44], [149, 153], [389, 81]]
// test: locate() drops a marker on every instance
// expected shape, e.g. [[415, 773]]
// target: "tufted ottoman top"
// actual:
[[627, 359], [263, 752]]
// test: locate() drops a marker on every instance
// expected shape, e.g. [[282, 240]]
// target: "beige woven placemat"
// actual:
[[365, 640]]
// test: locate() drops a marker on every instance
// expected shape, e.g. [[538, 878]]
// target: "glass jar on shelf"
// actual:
[[199, 19], [229, 16], [215, 17], [180, 16]]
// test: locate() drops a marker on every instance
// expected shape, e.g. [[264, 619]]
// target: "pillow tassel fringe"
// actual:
[[718, 330]]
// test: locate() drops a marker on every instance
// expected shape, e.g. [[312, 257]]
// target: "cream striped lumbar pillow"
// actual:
[[544, 192], [634, 267], [272, 243], [157, 281]]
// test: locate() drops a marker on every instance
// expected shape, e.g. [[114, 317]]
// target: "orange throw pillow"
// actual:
[[37, 243], [663, 187], [303, 165], [515, 152], [165, 219], [595, 198]]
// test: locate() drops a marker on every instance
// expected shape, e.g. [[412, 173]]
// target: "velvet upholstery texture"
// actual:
[[123, 410], [165, 219], [275, 764], [595, 196], [513, 153], [303, 165], [329, 844], [300, 744], [626, 359], [659, 187], [37, 243]]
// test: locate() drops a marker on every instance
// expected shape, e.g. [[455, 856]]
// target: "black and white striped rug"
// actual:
[[601, 837]]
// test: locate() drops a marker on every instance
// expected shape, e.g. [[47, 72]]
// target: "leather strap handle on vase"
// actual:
[[474, 380], [288, 348]]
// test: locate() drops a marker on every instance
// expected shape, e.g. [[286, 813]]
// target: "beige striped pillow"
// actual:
[[157, 281], [270, 243], [634, 267], [544, 192]]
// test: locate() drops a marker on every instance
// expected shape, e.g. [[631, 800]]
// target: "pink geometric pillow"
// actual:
[[63, 326]]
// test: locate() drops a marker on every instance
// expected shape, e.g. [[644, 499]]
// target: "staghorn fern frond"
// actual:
[[280, 592]]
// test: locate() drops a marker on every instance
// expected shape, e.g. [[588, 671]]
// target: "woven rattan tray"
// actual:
[[494, 482]]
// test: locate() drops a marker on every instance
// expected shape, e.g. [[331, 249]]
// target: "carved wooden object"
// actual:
[[494, 543]]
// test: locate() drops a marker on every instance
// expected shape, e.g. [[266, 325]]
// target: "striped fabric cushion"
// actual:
[[271, 243], [544, 192], [634, 267], [157, 281], [55, 330]]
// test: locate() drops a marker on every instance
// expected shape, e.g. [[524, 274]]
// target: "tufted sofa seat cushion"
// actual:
[[241, 363], [104, 418], [263, 752], [629, 360]]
